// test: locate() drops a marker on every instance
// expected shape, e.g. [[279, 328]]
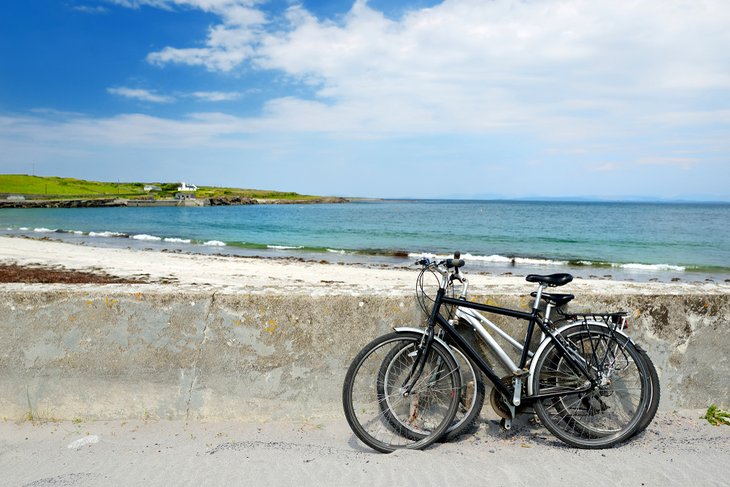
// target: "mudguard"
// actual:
[[421, 331], [544, 344]]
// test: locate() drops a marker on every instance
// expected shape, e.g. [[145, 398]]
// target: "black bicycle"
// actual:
[[589, 385]]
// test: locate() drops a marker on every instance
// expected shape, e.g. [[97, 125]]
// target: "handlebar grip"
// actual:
[[455, 263]]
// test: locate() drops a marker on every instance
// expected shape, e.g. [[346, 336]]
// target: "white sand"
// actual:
[[677, 449], [287, 275]]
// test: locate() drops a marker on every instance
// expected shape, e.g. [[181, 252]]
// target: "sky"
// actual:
[[383, 98]]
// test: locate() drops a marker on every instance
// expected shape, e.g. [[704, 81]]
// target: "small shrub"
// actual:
[[716, 416]]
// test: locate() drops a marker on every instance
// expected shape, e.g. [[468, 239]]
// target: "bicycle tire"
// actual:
[[602, 417], [655, 389], [428, 410]]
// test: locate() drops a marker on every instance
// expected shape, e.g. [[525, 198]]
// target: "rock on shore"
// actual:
[[83, 203]]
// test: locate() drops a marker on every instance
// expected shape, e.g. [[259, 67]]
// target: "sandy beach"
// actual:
[[677, 449], [286, 275]]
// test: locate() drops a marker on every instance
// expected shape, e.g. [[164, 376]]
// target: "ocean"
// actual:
[[639, 241]]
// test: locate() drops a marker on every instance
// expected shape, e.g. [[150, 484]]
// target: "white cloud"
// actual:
[[216, 95], [136, 130], [560, 68], [140, 94], [87, 9], [228, 44]]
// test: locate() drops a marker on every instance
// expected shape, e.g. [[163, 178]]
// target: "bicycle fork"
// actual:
[[425, 348], [418, 365]]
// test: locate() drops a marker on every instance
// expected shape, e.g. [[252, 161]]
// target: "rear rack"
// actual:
[[616, 321]]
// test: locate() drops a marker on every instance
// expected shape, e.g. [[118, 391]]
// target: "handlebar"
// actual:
[[454, 263]]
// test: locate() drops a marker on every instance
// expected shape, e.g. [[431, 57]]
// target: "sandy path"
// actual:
[[677, 449]]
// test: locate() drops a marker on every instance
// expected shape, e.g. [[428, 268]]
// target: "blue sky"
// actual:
[[461, 98]]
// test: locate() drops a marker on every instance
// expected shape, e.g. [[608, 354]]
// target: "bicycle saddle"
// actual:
[[559, 279]]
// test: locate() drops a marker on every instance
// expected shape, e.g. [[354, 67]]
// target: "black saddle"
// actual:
[[552, 280]]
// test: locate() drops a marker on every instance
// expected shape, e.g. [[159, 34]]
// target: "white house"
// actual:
[[187, 187], [152, 187]]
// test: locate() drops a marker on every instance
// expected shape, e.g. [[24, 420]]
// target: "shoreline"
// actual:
[[132, 202], [287, 274]]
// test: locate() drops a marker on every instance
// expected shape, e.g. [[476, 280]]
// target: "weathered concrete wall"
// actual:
[[128, 352]]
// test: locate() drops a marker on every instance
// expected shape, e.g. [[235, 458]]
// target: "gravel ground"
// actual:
[[677, 449]]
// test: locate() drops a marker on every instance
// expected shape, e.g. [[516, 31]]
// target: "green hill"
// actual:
[[39, 187]]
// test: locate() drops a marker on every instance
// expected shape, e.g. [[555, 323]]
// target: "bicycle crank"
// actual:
[[499, 404]]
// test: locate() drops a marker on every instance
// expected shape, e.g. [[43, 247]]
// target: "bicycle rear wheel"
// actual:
[[605, 415], [654, 390], [375, 402]]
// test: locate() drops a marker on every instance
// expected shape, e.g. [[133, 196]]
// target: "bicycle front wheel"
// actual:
[[377, 405], [609, 413]]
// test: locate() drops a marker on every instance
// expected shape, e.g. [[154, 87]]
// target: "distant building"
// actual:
[[152, 187], [186, 187]]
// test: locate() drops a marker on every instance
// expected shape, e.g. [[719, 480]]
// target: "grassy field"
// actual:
[[66, 187], [213, 191], [69, 188]]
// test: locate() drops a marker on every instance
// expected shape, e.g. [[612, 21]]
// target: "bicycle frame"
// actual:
[[533, 318], [477, 321]]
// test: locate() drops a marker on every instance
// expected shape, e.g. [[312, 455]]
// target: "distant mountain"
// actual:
[[584, 199]]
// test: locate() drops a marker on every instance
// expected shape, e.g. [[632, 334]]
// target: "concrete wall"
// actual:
[[136, 352]]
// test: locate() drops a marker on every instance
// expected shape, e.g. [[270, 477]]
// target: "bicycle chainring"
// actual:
[[497, 400]]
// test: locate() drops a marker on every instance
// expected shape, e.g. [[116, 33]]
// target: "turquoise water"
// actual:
[[646, 240]]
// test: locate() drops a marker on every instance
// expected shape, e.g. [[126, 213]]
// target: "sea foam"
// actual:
[[177, 240], [143, 236], [651, 267], [493, 259]]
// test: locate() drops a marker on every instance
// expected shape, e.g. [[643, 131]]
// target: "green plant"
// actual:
[[716, 416]]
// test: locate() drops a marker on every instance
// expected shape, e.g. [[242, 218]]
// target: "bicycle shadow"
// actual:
[[526, 428]]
